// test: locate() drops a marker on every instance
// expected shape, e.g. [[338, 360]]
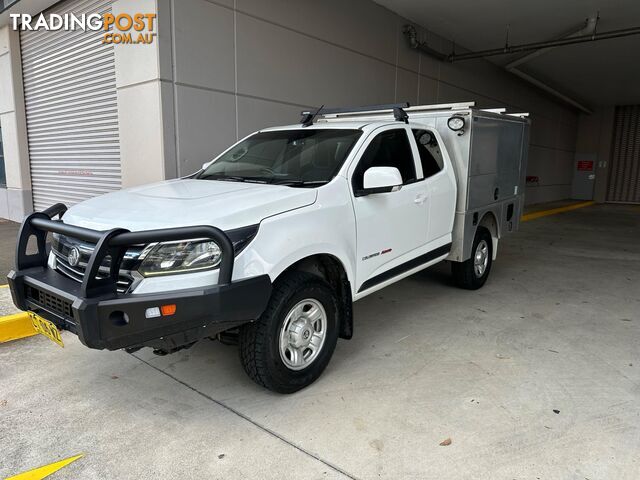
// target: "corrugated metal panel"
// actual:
[[624, 175], [72, 111]]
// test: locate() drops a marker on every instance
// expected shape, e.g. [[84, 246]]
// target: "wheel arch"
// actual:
[[490, 222], [331, 269]]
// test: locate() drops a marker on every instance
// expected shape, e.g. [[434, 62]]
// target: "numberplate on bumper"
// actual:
[[46, 328]]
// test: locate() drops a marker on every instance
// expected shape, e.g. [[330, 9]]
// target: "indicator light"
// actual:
[[168, 310]]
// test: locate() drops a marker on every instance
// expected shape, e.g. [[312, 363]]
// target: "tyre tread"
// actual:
[[463, 273], [253, 336]]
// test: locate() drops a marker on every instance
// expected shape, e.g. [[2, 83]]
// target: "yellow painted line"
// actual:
[[4, 286], [553, 211], [13, 327], [46, 470]]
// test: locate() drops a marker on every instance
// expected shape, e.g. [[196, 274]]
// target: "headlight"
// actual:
[[456, 123], [180, 257]]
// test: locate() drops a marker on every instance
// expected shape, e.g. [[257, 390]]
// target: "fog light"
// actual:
[[152, 312]]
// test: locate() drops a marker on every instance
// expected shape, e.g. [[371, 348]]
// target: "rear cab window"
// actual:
[[429, 150]]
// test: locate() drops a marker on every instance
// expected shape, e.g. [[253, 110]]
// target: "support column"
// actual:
[[145, 121], [15, 197]]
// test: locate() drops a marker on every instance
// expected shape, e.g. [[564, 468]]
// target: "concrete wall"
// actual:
[[234, 66], [15, 199]]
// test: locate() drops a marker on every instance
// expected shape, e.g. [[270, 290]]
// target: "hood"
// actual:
[[188, 202]]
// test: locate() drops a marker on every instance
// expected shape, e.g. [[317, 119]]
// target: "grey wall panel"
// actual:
[[427, 90], [406, 86], [563, 168], [205, 126], [71, 109], [476, 76], [428, 65], [254, 114], [224, 3], [204, 45], [359, 25], [566, 136], [407, 58], [279, 64], [546, 193], [165, 39], [168, 134], [553, 168]]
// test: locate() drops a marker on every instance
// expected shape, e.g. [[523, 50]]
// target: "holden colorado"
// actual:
[[270, 243]]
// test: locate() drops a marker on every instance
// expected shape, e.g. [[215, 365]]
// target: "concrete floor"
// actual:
[[8, 236], [536, 376]]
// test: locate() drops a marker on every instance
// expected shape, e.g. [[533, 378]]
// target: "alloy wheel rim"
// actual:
[[481, 258], [303, 334]]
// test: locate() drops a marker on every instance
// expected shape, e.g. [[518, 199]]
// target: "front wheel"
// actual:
[[291, 343], [473, 273]]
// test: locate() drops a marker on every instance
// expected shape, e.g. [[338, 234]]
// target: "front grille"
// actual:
[[48, 301], [61, 248], [77, 273]]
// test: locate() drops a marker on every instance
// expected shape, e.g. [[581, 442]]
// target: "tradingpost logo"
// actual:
[[124, 28]]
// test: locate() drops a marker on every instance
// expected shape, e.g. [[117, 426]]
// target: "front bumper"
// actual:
[[113, 322], [105, 319]]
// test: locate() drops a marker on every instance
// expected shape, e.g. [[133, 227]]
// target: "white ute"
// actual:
[[270, 243]]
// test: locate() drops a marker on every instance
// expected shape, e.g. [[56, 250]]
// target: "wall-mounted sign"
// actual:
[[585, 165]]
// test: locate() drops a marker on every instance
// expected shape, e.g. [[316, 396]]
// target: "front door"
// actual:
[[391, 227]]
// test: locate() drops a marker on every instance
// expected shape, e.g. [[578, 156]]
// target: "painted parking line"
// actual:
[[46, 470], [4, 286], [16, 326], [554, 211]]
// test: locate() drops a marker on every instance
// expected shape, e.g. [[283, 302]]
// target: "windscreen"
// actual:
[[285, 157]]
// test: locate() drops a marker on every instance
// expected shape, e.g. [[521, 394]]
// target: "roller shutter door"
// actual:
[[72, 116], [624, 175]]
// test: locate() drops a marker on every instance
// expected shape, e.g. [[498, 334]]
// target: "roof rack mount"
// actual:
[[397, 108]]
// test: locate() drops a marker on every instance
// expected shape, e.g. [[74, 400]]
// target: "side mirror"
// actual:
[[380, 180]]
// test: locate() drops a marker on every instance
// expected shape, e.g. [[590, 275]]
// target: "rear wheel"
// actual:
[[473, 273], [291, 343]]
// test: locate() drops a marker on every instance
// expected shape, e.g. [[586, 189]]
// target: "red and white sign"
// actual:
[[585, 165]]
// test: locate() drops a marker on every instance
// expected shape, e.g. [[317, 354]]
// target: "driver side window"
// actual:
[[390, 148]]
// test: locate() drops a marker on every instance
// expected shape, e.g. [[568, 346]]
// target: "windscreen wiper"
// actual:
[[299, 183], [232, 178]]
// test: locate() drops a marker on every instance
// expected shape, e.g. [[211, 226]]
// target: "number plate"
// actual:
[[46, 328]]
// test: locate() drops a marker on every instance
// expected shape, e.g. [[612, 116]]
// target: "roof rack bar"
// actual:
[[363, 108], [366, 113], [443, 106]]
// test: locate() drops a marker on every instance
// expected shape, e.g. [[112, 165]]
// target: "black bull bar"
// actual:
[[103, 318]]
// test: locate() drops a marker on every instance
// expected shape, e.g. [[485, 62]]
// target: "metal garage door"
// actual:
[[624, 176], [72, 118]]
